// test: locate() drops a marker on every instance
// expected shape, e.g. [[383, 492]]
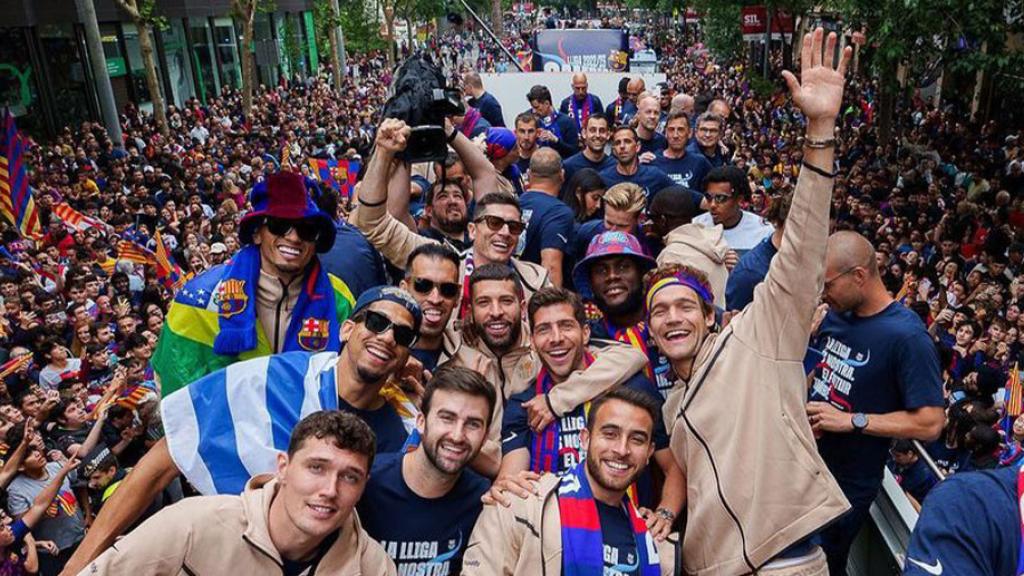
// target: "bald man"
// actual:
[[683, 102], [647, 117], [549, 221], [582, 103], [876, 377], [482, 100]]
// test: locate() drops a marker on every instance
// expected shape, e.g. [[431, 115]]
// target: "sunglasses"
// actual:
[[424, 286], [495, 223], [307, 230], [718, 198], [378, 323]]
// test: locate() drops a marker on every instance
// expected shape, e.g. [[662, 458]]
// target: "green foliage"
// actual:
[[720, 22], [360, 24], [149, 16]]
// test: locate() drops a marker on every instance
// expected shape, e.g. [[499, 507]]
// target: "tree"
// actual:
[[142, 14], [245, 10]]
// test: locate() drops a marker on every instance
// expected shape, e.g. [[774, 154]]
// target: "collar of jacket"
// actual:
[[343, 556]]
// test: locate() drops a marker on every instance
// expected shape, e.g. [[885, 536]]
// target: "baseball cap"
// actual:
[[218, 248], [390, 294]]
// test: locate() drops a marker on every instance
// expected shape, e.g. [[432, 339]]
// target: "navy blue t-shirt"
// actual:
[[489, 108], [688, 171], [951, 460], [385, 422], [516, 432], [428, 358], [748, 273], [916, 479], [656, 144], [651, 179], [578, 161], [618, 540], [422, 535], [549, 224], [620, 112], [970, 524], [875, 365], [565, 129]]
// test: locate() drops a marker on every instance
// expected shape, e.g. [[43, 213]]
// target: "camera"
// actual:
[[420, 97]]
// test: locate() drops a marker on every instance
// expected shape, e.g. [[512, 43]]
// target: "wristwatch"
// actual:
[[666, 514], [860, 422]]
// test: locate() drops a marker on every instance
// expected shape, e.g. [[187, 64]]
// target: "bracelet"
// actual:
[[819, 144], [366, 204], [666, 514], [817, 170], [455, 132], [547, 400]]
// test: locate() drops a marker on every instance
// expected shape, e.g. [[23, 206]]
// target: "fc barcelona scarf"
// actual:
[[637, 336], [582, 544], [544, 455], [314, 325], [581, 113]]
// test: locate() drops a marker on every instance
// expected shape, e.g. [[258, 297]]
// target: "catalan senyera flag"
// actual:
[[16, 201], [167, 270], [75, 220], [338, 174], [1014, 394], [132, 252]]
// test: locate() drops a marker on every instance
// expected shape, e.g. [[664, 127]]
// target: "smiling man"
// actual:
[[745, 385], [561, 339], [431, 482], [299, 521], [627, 168], [582, 523], [230, 425], [272, 296]]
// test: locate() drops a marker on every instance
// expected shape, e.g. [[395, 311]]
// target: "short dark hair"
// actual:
[[552, 296], [495, 272], [596, 116], [677, 114], [346, 431], [902, 446], [539, 93], [435, 251], [731, 174], [622, 127], [463, 381], [496, 199], [630, 396], [526, 118]]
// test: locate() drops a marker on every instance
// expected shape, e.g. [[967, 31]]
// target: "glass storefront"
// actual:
[[266, 54], [179, 67], [203, 63], [227, 51], [18, 81], [65, 73]]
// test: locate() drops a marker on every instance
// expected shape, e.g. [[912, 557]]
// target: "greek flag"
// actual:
[[231, 424]]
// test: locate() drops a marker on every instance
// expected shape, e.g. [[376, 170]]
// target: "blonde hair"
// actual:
[[626, 197]]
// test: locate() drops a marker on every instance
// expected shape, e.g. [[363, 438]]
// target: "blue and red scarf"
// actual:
[[580, 113], [545, 452], [470, 120], [314, 308], [637, 336], [582, 543]]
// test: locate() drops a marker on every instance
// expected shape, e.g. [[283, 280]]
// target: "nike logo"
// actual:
[[933, 570], [512, 436]]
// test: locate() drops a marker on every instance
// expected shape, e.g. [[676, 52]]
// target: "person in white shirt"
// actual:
[[724, 188]]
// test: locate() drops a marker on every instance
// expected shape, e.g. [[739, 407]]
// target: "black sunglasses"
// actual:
[[495, 223], [307, 230], [378, 324], [424, 286]]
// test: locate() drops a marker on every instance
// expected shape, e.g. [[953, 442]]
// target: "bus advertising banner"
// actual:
[[580, 51]]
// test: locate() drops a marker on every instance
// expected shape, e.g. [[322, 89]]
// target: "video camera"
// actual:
[[421, 98]]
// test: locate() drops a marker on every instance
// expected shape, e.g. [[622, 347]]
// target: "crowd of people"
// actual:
[[578, 340]]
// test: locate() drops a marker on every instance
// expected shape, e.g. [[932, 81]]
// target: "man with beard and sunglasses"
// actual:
[[431, 482], [432, 277], [272, 296], [582, 522], [230, 425]]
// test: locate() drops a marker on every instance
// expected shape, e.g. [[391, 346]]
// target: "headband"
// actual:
[[680, 279]]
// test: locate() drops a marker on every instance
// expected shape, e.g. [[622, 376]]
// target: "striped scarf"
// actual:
[[581, 113], [545, 451], [637, 336], [582, 542]]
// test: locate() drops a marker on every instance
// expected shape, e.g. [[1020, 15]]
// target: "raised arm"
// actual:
[[399, 191], [152, 474], [778, 322], [45, 498], [479, 168]]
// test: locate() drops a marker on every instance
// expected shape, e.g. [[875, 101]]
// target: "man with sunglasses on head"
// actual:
[[272, 296], [724, 188], [230, 425]]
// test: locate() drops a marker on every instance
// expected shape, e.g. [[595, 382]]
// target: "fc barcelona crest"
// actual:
[[314, 334], [231, 298]]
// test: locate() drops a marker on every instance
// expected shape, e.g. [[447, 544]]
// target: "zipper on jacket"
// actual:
[[277, 315], [707, 449], [262, 551]]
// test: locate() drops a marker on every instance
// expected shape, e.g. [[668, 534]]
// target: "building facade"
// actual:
[[46, 79]]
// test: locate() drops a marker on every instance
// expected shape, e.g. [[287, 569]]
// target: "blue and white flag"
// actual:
[[231, 424]]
